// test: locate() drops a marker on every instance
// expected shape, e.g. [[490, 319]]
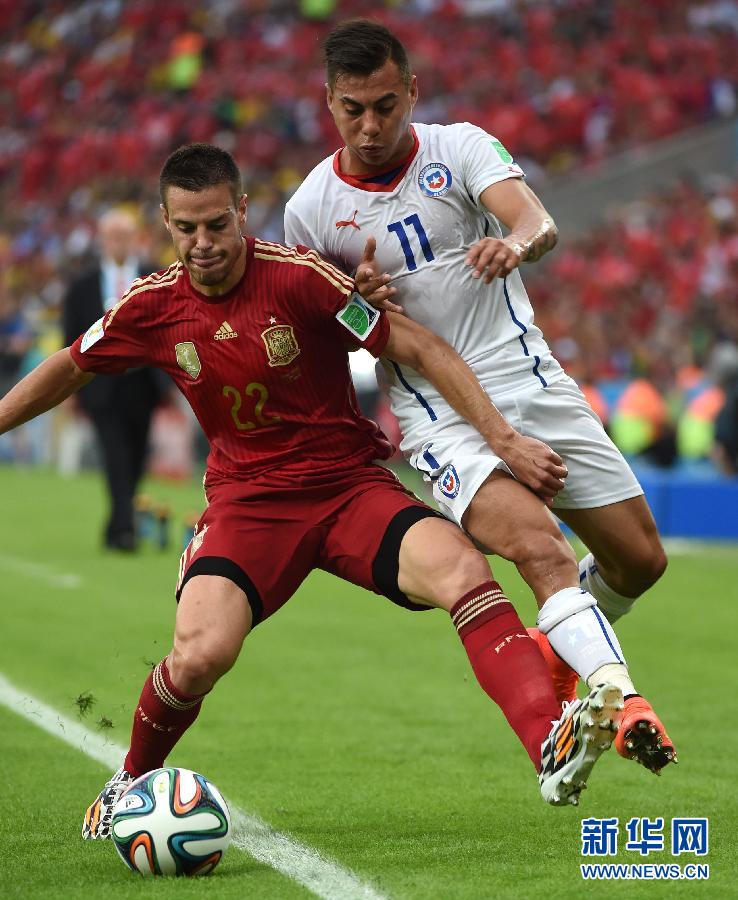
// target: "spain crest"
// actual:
[[188, 359], [281, 344]]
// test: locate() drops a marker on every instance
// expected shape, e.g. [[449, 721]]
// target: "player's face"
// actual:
[[373, 114], [206, 231]]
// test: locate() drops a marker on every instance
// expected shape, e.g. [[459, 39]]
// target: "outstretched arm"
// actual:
[[532, 230], [532, 462], [57, 378]]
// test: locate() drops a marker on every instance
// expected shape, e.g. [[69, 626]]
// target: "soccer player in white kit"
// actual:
[[434, 199]]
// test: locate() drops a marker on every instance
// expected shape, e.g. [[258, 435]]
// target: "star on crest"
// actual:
[[272, 320]]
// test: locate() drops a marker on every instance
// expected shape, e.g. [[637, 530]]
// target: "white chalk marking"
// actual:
[[40, 572], [251, 834]]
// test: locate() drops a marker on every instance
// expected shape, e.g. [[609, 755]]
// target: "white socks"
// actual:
[[612, 604], [583, 637]]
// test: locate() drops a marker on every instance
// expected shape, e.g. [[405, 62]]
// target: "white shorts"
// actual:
[[457, 461]]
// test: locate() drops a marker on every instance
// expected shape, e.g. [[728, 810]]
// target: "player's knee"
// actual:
[[643, 569], [460, 573], [195, 668], [655, 566]]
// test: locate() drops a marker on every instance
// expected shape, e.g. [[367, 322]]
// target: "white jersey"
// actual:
[[424, 222]]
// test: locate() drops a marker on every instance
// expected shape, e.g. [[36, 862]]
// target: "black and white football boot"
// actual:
[[585, 730], [96, 825]]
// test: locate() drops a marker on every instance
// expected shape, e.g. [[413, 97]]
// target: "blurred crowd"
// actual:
[[95, 94], [639, 312]]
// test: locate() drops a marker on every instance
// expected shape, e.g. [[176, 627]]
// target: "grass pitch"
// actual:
[[348, 723]]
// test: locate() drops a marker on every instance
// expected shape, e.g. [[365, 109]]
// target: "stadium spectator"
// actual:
[[724, 367], [16, 339], [119, 406], [289, 491]]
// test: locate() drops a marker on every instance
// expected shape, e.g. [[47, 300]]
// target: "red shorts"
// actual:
[[268, 534]]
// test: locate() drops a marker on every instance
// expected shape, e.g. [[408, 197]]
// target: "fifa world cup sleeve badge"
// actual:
[[358, 317], [188, 359]]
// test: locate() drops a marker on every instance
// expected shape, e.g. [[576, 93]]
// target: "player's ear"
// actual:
[[413, 90], [328, 94], [242, 209], [165, 216]]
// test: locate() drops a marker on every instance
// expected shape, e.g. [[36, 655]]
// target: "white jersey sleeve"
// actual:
[[307, 217], [483, 159], [297, 231]]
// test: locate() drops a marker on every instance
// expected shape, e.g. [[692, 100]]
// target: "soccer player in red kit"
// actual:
[[255, 335]]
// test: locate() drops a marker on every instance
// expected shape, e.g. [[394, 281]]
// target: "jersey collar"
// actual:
[[358, 181]]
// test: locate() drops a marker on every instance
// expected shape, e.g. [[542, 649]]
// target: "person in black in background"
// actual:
[[119, 406]]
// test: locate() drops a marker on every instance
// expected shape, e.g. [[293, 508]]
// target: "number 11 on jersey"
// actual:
[[399, 229]]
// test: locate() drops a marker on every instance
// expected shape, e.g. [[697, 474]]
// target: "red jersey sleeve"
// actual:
[[335, 305], [115, 343]]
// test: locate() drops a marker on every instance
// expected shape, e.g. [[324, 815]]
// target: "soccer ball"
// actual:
[[171, 822]]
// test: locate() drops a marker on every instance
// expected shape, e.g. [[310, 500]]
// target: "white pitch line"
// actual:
[[324, 878], [41, 572], [692, 547]]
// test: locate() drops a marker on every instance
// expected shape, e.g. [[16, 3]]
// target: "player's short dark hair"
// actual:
[[360, 47], [198, 166]]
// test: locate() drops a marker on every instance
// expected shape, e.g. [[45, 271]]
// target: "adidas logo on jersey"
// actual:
[[225, 333]]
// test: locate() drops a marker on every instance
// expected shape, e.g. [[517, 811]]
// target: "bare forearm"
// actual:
[[532, 230], [533, 238], [453, 378], [531, 461], [45, 387]]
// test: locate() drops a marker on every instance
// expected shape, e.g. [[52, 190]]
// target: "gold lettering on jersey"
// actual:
[[259, 394], [281, 344], [188, 359], [235, 395], [225, 333]]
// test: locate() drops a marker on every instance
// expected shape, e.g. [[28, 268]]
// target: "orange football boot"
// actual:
[[565, 679], [642, 736]]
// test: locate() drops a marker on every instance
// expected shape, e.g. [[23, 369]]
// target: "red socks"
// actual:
[[506, 661], [508, 664], [163, 715]]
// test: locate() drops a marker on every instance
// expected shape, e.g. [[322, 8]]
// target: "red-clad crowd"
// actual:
[[649, 291], [635, 310], [96, 93]]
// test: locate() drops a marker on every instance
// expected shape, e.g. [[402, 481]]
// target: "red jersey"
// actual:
[[264, 366]]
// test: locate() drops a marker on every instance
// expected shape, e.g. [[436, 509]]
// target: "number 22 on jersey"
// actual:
[[259, 393]]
